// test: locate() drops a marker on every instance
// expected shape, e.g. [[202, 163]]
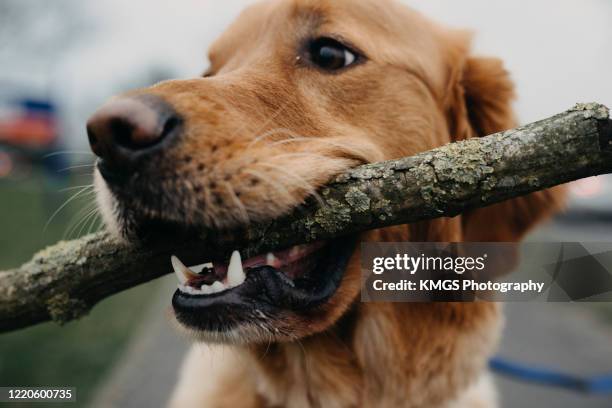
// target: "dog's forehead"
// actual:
[[280, 20], [387, 31]]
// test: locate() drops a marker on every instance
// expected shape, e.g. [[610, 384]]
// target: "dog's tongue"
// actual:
[[287, 260]]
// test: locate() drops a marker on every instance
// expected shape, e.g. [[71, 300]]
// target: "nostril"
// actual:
[[140, 132], [123, 134], [171, 123]]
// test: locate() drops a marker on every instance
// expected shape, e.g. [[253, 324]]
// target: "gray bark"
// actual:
[[64, 281]]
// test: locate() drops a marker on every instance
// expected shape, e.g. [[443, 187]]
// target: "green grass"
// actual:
[[80, 353], [76, 355]]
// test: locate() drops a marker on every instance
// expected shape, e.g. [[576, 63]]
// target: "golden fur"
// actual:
[[263, 130]]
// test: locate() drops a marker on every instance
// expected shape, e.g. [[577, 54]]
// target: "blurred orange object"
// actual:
[[28, 131]]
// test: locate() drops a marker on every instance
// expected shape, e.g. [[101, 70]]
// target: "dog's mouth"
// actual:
[[219, 296]]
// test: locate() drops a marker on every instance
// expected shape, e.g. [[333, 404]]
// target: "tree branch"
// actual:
[[64, 281]]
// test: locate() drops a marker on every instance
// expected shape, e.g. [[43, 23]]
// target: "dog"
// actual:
[[297, 92]]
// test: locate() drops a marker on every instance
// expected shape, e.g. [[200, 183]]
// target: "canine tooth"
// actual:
[[270, 258], [182, 272], [235, 273], [206, 290]]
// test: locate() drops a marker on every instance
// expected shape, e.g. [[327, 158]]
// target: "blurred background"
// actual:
[[61, 59]]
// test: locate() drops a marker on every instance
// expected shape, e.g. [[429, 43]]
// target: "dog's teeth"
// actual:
[[218, 287], [235, 273], [188, 289], [182, 272], [270, 258]]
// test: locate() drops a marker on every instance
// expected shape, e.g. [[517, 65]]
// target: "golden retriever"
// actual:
[[297, 92]]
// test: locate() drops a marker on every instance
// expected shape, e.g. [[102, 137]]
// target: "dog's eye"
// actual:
[[330, 54]]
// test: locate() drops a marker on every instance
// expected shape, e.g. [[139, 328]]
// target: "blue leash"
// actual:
[[587, 385]]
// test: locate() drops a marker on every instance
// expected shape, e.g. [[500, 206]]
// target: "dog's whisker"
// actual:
[[297, 138], [310, 189], [301, 154], [359, 151], [86, 222], [300, 179], [331, 142], [294, 140], [304, 354], [292, 136], [68, 152], [265, 353], [86, 186], [76, 220], [78, 231], [80, 166], [93, 223], [281, 189], [68, 201], [271, 133], [270, 119]]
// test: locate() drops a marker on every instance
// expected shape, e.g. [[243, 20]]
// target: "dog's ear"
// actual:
[[481, 99], [479, 91], [479, 102]]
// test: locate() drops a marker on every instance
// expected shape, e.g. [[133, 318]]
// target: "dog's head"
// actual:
[[297, 92]]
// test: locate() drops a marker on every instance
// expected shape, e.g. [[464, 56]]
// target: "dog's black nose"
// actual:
[[127, 128]]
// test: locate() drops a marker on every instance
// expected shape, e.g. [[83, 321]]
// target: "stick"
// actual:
[[64, 281]]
